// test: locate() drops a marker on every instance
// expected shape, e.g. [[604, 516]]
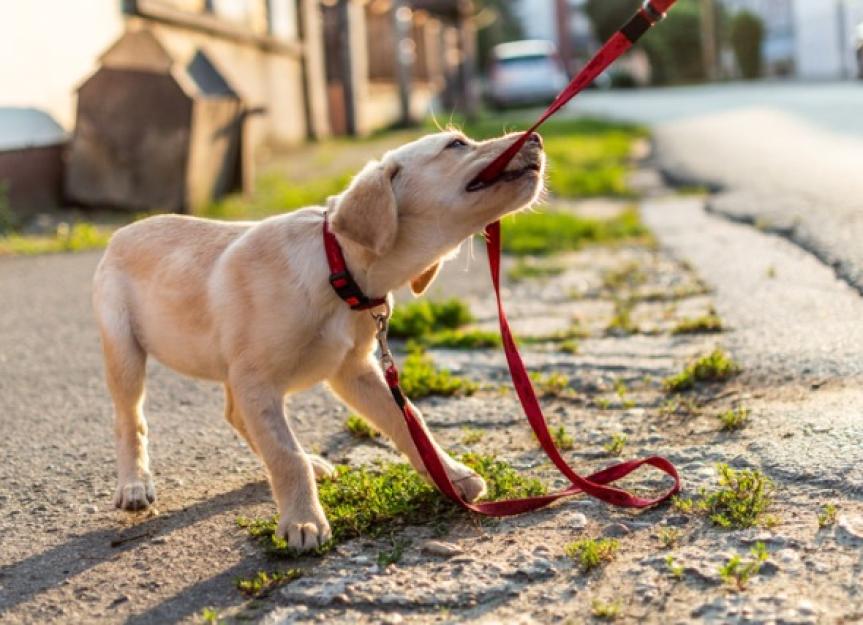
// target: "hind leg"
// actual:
[[321, 467], [125, 363]]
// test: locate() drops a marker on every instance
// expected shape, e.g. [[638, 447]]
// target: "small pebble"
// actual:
[[440, 548], [615, 530]]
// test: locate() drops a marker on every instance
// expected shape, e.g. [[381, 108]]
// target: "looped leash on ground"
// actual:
[[597, 484]]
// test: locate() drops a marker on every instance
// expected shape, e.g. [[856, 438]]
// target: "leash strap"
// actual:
[[651, 12], [597, 484]]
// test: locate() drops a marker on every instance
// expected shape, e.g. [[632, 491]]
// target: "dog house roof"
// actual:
[[22, 128]]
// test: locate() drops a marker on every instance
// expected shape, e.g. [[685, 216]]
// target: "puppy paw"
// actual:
[[321, 467], [467, 482], [135, 494], [304, 530]]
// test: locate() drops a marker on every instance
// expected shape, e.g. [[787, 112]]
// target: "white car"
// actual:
[[860, 50], [525, 72]]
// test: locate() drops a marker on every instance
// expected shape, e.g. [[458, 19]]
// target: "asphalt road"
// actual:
[[785, 156]]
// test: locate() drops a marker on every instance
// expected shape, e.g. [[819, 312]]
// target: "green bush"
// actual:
[[422, 317], [747, 37]]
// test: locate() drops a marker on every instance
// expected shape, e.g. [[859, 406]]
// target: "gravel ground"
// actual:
[[68, 556]]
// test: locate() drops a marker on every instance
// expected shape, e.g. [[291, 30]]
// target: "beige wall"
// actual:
[[48, 47]]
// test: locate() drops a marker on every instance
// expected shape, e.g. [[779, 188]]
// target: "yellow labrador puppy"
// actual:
[[250, 305]]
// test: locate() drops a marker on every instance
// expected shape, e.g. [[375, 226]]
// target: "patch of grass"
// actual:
[[705, 324], [551, 384], [371, 501], [587, 157], [591, 552], [527, 269], [540, 234], [628, 276], [668, 536], [621, 322], [78, 237], [460, 339], [263, 583], [574, 331], [738, 572], [679, 405], [562, 440], [734, 418], [716, 366], [674, 569], [359, 427], [471, 436], [569, 346], [275, 193], [622, 393], [605, 611], [827, 516], [421, 318], [419, 377], [615, 446], [740, 502], [394, 554], [211, 617], [603, 403]]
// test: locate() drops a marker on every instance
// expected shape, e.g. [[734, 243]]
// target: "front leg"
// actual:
[[292, 477], [361, 385]]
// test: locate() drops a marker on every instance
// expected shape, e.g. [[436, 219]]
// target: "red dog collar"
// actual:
[[341, 280]]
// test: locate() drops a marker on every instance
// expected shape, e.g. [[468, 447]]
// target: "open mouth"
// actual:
[[507, 176]]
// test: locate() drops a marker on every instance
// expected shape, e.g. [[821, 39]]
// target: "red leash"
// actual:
[[597, 484]]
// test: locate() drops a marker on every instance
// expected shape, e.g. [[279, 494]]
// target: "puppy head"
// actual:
[[413, 207]]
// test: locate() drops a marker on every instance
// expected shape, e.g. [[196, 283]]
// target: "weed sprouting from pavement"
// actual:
[[569, 346], [628, 276], [368, 501], [717, 366], [668, 536], [738, 572], [262, 583], [471, 436], [827, 516], [359, 427], [674, 569], [394, 554], [734, 418], [592, 552], [740, 502], [420, 378], [605, 611], [526, 269], [686, 406], [562, 440], [211, 617], [551, 384], [621, 322], [615, 446], [705, 324]]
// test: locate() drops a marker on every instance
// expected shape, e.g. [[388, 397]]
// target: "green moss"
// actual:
[[605, 611], [419, 377], [359, 427], [552, 384], [716, 366], [372, 501], [263, 583], [704, 324], [551, 232], [423, 317], [734, 418], [591, 553]]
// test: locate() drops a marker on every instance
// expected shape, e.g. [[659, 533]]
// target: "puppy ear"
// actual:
[[366, 213], [420, 284]]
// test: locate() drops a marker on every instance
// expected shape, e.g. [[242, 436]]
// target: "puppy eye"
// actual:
[[456, 143]]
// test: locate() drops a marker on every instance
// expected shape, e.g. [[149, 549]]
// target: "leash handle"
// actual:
[[650, 13]]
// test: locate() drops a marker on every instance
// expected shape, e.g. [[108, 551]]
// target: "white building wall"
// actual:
[[48, 46]]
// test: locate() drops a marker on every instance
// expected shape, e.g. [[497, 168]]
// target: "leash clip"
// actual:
[[382, 325]]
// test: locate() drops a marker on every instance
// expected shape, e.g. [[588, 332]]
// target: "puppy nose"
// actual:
[[535, 138]]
